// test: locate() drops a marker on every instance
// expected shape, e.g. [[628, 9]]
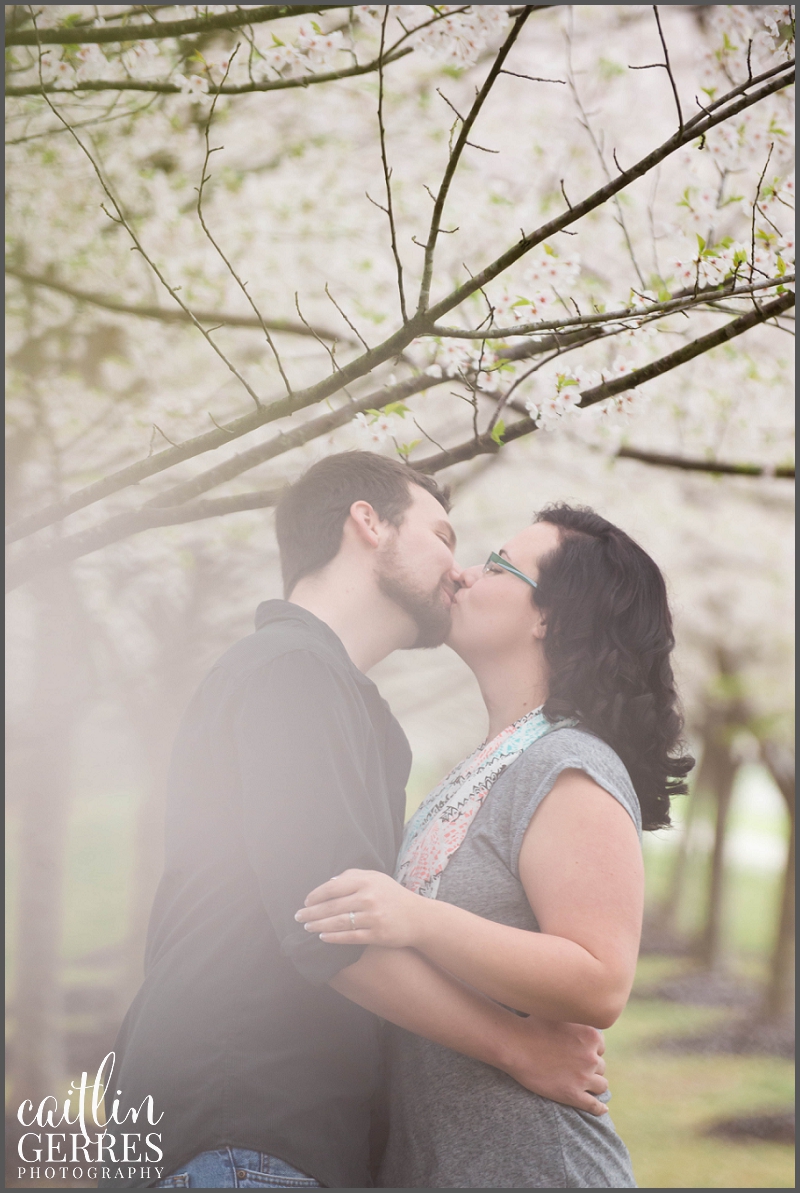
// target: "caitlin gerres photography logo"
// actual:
[[85, 1138]]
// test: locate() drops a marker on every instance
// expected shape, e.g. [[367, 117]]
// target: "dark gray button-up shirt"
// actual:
[[288, 768]]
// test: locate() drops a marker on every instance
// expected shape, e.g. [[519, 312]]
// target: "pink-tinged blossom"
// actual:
[[91, 63], [370, 15], [319, 48], [143, 60], [55, 68], [785, 249], [454, 358], [373, 430], [550, 268], [620, 367], [192, 84], [283, 60], [460, 38]]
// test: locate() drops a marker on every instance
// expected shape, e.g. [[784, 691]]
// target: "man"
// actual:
[[258, 1042]]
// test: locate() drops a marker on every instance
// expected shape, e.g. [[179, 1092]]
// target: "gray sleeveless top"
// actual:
[[457, 1123]]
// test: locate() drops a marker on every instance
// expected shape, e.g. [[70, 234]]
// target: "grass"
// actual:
[[662, 1102]]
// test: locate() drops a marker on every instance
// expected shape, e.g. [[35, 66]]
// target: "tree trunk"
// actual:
[[38, 1058], [666, 918], [721, 772], [155, 734], [778, 1000]]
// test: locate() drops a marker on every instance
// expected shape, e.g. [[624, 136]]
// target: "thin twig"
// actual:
[[331, 351], [52, 132], [121, 219], [387, 173], [755, 208], [507, 397], [452, 108], [482, 148], [350, 324], [668, 68], [204, 177], [455, 155], [533, 78], [620, 219]]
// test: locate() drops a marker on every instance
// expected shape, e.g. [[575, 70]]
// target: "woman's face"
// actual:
[[493, 613]]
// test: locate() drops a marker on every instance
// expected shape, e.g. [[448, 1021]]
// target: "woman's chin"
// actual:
[[455, 638]]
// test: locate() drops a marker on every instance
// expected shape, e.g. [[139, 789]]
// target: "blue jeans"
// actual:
[[237, 1168]]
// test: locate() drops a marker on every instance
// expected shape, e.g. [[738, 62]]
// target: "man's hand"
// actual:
[[560, 1061]]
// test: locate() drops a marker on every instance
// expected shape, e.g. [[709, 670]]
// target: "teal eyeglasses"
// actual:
[[496, 560]]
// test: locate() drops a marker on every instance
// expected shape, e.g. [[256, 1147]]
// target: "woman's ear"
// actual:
[[540, 625]]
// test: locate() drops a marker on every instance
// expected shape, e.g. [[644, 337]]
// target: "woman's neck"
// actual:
[[510, 689]]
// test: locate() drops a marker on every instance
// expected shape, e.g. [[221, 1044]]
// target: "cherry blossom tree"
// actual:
[[683, 247], [242, 237]]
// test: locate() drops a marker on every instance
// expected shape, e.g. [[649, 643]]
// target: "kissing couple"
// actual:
[[331, 1001]]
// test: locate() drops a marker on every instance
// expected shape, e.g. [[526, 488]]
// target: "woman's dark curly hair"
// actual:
[[608, 645]]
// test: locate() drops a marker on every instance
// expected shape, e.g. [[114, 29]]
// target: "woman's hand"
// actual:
[[364, 907]]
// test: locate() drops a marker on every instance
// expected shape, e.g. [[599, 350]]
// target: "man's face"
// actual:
[[417, 570]]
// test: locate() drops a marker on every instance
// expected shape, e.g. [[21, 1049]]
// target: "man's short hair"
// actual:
[[311, 514]]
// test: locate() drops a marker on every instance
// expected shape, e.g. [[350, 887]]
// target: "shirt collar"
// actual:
[[278, 610]]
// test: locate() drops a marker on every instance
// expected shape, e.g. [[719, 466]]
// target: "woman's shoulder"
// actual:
[[534, 773], [574, 742]]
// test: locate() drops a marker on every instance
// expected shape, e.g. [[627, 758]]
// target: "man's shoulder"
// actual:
[[284, 632]]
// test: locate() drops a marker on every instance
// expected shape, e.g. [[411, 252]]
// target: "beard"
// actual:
[[429, 611]]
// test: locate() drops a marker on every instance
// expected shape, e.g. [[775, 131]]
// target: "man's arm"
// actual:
[[561, 1061]]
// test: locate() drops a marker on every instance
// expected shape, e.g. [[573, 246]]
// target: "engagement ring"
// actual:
[[352, 919]]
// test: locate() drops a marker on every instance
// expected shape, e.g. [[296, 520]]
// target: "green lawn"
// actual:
[[663, 1102]]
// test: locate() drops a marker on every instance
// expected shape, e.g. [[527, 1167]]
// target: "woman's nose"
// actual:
[[470, 575]]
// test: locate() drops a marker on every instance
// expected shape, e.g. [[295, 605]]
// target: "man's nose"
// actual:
[[455, 574]]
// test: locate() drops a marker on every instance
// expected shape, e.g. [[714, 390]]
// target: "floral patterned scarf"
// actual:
[[440, 824]]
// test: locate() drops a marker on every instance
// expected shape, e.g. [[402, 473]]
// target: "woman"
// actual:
[[522, 873]]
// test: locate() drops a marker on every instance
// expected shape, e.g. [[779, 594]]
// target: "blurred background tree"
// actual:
[[462, 189]]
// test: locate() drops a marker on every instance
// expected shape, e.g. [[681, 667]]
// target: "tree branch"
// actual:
[[715, 467], [348, 72], [692, 130], [214, 318], [122, 525], [684, 300], [113, 34], [419, 324], [288, 440], [608, 389], [455, 155]]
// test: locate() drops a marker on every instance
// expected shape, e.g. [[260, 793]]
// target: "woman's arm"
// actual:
[[581, 867], [560, 1061]]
